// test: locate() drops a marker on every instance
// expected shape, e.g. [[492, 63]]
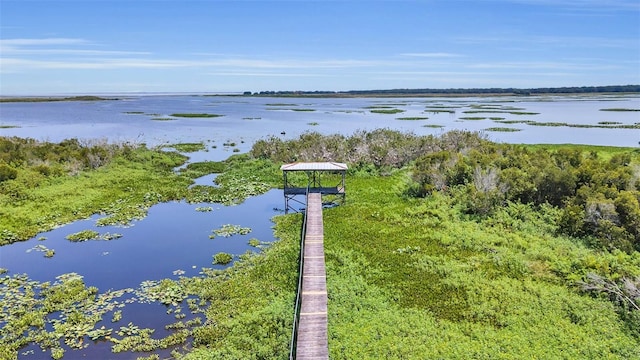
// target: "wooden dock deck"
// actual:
[[312, 340]]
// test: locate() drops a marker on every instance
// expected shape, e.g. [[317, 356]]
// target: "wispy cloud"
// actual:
[[41, 42]]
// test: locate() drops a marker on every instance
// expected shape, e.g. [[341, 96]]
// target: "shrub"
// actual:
[[222, 258], [7, 172]]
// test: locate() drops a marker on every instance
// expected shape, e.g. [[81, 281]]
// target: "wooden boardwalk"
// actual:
[[312, 340]]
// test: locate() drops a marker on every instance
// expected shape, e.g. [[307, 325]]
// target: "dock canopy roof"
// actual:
[[314, 166]]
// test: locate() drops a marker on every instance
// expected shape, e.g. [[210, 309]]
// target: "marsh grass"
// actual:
[[188, 147], [386, 111], [503, 129], [52, 99], [411, 118], [619, 109]]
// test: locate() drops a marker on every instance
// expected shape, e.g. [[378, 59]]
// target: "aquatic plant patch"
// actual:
[[503, 129], [413, 118], [87, 235], [439, 110], [619, 109], [43, 249], [83, 235], [188, 147], [511, 112], [386, 111], [228, 230], [222, 258]]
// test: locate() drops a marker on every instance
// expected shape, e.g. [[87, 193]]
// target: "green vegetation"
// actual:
[[386, 111], [506, 251], [44, 185], [222, 258], [9, 126], [49, 99], [229, 230], [493, 111], [619, 109], [413, 118], [188, 147], [195, 115], [83, 235], [503, 129]]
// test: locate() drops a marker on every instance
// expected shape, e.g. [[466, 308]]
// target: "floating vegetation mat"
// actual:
[[619, 109], [68, 312], [503, 129], [600, 125], [386, 111], [413, 118], [229, 230], [188, 147], [195, 115], [86, 235]]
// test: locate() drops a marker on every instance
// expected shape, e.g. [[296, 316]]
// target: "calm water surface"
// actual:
[[246, 119], [174, 238]]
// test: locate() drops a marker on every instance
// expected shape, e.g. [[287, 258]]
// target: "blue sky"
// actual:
[[102, 46]]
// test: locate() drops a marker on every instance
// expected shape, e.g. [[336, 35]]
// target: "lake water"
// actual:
[[173, 240], [245, 119]]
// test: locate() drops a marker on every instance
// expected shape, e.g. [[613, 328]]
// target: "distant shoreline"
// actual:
[[391, 93]]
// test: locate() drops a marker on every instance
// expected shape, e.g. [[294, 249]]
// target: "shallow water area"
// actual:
[[243, 120], [174, 236]]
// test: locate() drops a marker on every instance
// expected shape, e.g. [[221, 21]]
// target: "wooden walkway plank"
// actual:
[[312, 339]]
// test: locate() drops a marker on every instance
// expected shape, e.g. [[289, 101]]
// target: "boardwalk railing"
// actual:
[[296, 315], [310, 334]]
